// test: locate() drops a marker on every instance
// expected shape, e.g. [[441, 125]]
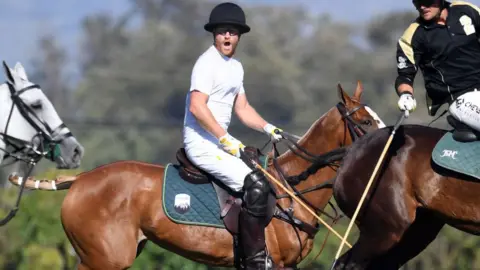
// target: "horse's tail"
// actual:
[[62, 182]]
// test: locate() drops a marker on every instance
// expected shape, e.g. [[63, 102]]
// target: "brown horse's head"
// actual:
[[359, 118]]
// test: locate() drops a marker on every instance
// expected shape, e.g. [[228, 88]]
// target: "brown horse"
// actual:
[[110, 211], [410, 201]]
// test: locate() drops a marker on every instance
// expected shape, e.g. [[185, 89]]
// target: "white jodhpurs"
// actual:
[[223, 166], [466, 109]]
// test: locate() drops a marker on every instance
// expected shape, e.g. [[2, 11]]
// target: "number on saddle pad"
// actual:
[[460, 157]]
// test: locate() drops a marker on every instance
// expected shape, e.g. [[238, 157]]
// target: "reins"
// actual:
[[329, 159]]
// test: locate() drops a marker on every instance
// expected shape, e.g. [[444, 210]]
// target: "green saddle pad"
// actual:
[[461, 157], [194, 204]]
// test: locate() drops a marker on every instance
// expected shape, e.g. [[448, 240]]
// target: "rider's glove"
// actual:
[[407, 102], [272, 130], [231, 145]]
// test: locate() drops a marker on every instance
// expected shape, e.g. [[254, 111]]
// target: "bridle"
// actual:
[[329, 159], [355, 129], [45, 143]]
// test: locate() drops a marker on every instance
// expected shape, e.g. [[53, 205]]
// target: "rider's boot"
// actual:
[[257, 211], [462, 132]]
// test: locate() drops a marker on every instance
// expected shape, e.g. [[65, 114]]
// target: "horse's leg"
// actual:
[[82, 266], [418, 236], [110, 249], [368, 246], [85, 267], [141, 246], [100, 241]]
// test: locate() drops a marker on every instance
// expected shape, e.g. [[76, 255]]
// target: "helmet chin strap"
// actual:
[[443, 6]]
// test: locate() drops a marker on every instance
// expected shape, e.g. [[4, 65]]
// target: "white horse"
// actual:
[[30, 127]]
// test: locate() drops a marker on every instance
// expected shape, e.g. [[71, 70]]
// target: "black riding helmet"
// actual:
[[428, 3], [227, 13]]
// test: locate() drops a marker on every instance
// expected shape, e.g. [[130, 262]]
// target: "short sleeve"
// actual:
[[242, 88], [202, 77]]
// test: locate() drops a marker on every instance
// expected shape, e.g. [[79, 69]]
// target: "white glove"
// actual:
[[231, 145], [407, 102], [271, 131]]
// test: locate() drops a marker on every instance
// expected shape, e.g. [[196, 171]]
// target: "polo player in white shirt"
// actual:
[[217, 88]]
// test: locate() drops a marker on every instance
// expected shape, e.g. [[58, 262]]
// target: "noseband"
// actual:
[[43, 144]]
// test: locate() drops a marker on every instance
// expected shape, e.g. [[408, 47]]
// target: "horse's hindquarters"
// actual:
[[102, 211]]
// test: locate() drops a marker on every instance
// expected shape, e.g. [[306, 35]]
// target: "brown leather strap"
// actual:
[[305, 227]]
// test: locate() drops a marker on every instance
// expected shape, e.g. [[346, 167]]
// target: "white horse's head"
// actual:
[[30, 125]]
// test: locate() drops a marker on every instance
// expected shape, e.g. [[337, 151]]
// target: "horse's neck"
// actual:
[[2, 153], [5, 104], [323, 136], [326, 134]]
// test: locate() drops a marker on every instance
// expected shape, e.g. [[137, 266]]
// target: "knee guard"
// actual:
[[258, 196]]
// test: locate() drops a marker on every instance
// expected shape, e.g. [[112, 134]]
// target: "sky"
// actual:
[[23, 21]]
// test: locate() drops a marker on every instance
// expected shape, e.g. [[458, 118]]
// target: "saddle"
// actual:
[[462, 132], [193, 174], [188, 171]]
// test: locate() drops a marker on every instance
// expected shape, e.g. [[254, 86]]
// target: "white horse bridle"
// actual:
[[43, 144]]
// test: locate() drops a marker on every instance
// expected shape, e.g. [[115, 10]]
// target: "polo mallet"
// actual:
[[297, 200], [379, 162]]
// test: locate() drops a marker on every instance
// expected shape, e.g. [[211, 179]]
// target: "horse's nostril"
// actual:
[[76, 153]]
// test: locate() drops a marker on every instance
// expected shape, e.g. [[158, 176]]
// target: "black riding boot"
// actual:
[[462, 132], [252, 233], [254, 217]]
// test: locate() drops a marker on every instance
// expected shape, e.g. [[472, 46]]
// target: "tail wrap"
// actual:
[[62, 182]]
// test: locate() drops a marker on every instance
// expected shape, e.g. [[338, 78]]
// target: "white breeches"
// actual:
[[223, 166], [466, 109]]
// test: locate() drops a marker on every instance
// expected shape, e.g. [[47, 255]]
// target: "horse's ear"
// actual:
[[342, 95], [20, 70], [358, 91], [8, 73]]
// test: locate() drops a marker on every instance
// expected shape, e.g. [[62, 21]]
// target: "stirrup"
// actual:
[[267, 260]]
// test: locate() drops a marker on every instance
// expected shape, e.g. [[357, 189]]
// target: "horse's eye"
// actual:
[[367, 122], [37, 106]]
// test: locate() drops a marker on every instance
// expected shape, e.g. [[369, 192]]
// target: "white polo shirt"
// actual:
[[221, 78]]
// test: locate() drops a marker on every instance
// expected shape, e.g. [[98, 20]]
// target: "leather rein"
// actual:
[[329, 159]]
